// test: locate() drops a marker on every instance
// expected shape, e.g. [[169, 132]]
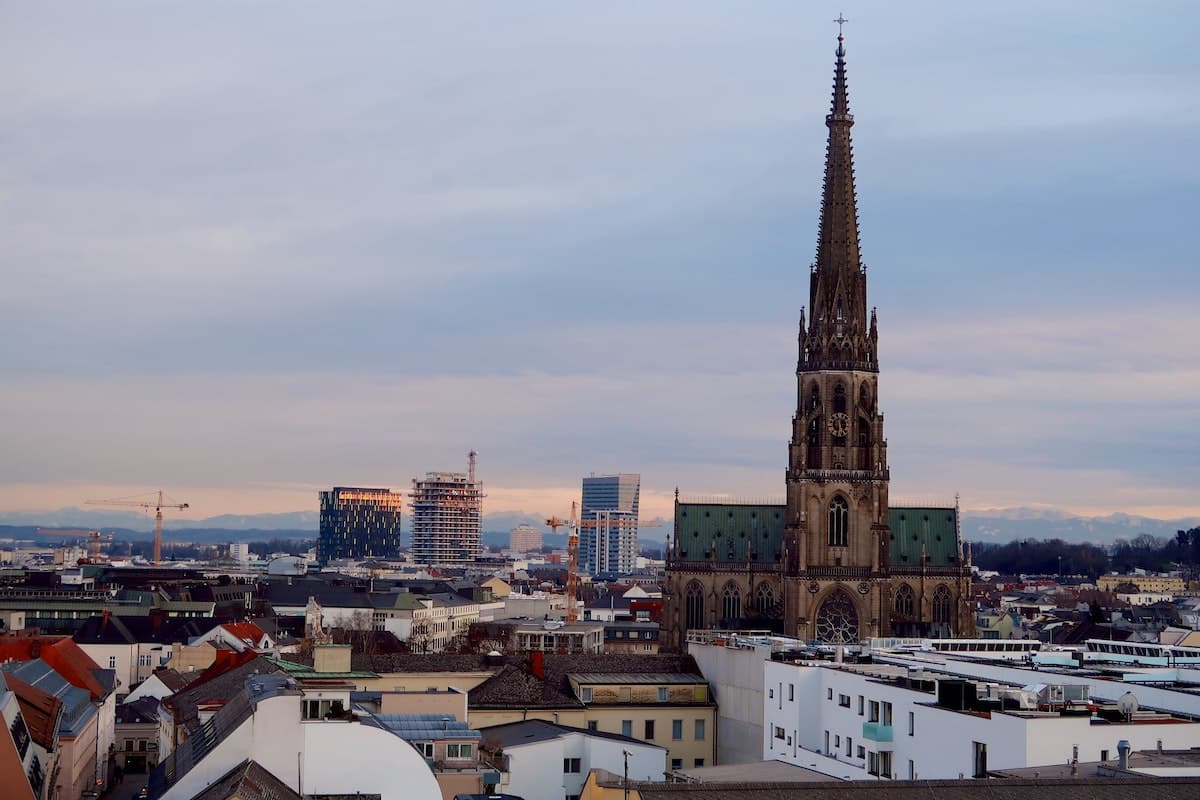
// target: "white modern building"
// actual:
[[926, 719], [302, 738], [545, 761]]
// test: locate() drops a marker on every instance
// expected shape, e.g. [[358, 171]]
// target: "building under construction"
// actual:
[[447, 509]]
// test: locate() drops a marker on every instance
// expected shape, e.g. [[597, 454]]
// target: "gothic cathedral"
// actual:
[[835, 563]]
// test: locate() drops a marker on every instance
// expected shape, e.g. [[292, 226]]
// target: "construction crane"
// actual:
[[146, 506], [572, 561], [95, 536]]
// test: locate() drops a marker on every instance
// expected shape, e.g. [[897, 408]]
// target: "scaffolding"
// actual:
[[447, 512]]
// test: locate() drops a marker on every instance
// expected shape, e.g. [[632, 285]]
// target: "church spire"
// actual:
[[841, 335]]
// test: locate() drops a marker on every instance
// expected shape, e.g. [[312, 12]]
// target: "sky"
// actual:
[[250, 250]]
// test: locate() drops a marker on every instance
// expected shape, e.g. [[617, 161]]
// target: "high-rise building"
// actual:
[[358, 523], [525, 539], [447, 510], [608, 523], [836, 562]]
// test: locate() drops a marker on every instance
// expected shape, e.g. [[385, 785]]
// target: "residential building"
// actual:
[[608, 523], [162, 683], [136, 646], [1163, 584], [57, 665], [525, 539], [447, 510], [546, 761], [552, 636], [304, 738], [450, 748], [833, 562], [137, 735], [358, 523], [631, 637], [31, 718]]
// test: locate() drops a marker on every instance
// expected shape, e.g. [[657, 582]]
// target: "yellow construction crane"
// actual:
[[146, 506], [95, 536], [572, 561]]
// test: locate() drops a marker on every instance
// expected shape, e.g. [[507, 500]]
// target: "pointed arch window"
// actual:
[[905, 601], [814, 398], [731, 605], [839, 399], [841, 310], [941, 605], [764, 598], [694, 606], [839, 523]]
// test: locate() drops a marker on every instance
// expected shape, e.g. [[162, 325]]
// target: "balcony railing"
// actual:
[[877, 732]]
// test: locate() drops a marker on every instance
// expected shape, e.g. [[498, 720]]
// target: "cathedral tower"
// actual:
[[836, 531]]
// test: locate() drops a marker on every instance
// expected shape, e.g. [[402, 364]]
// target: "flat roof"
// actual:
[[636, 677]]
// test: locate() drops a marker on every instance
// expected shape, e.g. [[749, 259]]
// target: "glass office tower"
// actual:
[[358, 523], [608, 523]]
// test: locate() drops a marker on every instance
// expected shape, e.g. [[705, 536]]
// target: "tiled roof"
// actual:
[[144, 709], [248, 781], [77, 705], [245, 631], [530, 731], [514, 687], [120, 629], [225, 679], [63, 655], [40, 709]]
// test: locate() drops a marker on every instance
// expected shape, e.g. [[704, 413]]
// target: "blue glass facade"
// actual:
[[358, 523]]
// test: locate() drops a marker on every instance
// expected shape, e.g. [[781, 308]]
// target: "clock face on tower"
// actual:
[[839, 424]]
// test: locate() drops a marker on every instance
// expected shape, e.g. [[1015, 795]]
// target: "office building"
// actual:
[[447, 509], [358, 523], [608, 523], [525, 539]]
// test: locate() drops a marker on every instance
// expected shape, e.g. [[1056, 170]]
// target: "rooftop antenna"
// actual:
[[471, 466]]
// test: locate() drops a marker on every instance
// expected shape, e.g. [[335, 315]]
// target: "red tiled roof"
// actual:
[[40, 710], [246, 631], [226, 660], [62, 654]]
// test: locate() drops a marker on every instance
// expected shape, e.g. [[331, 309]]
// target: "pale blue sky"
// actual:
[[254, 249]]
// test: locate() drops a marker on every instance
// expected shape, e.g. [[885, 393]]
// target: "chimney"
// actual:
[[1123, 749], [537, 664], [1160, 746], [105, 615]]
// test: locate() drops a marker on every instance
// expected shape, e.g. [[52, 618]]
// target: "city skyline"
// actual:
[[265, 253]]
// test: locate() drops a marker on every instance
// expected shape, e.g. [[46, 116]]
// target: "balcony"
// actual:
[[877, 732]]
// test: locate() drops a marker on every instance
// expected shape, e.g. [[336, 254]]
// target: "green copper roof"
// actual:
[[914, 527], [737, 532], [732, 528]]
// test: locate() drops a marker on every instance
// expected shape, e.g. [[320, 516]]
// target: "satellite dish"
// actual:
[[1128, 705]]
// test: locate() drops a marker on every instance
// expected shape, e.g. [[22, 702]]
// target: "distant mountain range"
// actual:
[[994, 525]]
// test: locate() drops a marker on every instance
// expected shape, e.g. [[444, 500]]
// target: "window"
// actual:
[[905, 600], [676, 763], [771, 694], [649, 729], [862, 751], [585, 694], [844, 700], [731, 605], [112, 662], [849, 747], [145, 661], [694, 605], [676, 730], [424, 748], [142, 745], [837, 742], [886, 717], [647, 648], [829, 694], [779, 732], [571, 766], [826, 750], [839, 522], [662, 694], [699, 730], [791, 692], [699, 762], [620, 634], [627, 727], [912, 723], [459, 750], [593, 725], [912, 770], [860, 705], [872, 763], [648, 635], [873, 707], [885, 764], [980, 759], [624, 694]]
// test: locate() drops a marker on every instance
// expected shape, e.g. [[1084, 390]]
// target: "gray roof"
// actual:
[[628, 677], [531, 731], [77, 703], [248, 781], [425, 727]]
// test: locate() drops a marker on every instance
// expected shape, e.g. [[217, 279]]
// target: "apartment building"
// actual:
[[447, 511], [1167, 584]]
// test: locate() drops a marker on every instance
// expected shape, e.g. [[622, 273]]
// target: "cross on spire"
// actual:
[[841, 20]]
